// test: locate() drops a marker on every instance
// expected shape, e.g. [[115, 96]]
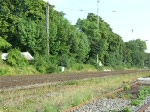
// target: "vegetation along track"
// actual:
[[29, 81]]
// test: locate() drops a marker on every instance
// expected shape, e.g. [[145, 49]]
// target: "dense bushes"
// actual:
[[16, 59], [1, 58], [46, 64]]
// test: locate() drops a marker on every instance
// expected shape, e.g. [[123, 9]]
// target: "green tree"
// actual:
[[22, 24], [4, 45], [66, 39], [32, 37], [114, 55], [103, 42], [136, 50], [147, 60]]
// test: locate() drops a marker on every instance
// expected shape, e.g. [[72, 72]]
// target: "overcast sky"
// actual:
[[128, 18]]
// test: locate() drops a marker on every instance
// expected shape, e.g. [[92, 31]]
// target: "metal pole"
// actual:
[[98, 23], [47, 26], [97, 59], [98, 12]]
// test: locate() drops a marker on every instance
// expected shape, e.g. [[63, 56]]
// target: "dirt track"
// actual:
[[7, 82]]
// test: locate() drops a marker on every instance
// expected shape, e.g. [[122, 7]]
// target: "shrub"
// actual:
[[126, 109], [51, 109], [66, 61], [40, 63], [16, 59], [144, 92], [127, 87], [71, 83], [136, 102], [81, 67], [77, 99], [78, 66], [46, 64], [142, 97], [93, 62], [1, 58], [3, 71], [118, 67]]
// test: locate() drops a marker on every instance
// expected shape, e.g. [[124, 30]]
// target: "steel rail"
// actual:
[[144, 107]]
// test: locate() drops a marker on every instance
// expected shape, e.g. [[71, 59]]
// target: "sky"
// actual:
[[128, 18]]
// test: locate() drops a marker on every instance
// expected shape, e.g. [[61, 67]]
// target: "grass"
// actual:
[[60, 97], [81, 68], [6, 70]]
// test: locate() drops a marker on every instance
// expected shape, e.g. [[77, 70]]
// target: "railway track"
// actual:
[[29, 81], [91, 106], [144, 108]]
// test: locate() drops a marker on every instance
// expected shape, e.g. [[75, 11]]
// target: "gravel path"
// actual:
[[110, 105], [105, 105]]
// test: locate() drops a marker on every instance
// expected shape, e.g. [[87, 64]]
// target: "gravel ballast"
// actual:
[[102, 105], [108, 105]]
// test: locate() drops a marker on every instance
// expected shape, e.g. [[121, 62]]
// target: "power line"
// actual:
[[70, 9]]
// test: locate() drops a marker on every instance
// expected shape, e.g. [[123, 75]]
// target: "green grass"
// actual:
[[81, 67], [6, 70], [60, 97]]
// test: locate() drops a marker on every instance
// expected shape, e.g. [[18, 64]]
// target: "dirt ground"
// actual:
[[7, 82]]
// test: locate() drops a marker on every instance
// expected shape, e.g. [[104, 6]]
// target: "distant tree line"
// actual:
[[23, 27]]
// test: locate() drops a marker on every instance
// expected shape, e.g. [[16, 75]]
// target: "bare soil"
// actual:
[[7, 82]]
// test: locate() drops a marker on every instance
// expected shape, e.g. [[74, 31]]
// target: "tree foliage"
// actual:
[[23, 26], [103, 42], [135, 52], [4, 44]]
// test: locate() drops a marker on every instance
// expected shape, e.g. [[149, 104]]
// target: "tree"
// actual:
[[23, 26], [147, 60], [114, 55], [66, 39], [79, 45], [32, 37], [103, 42], [136, 50], [4, 45]]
